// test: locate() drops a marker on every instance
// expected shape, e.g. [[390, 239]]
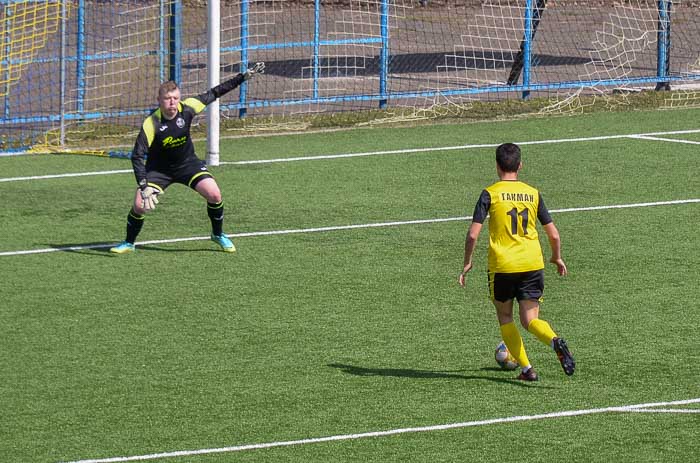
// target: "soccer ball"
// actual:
[[504, 358]]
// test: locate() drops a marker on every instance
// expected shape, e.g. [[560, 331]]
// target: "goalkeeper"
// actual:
[[164, 154]]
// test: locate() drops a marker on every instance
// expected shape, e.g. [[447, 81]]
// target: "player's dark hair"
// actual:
[[508, 157]]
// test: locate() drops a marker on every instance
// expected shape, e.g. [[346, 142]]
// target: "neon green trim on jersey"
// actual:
[[195, 104], [149, 126]]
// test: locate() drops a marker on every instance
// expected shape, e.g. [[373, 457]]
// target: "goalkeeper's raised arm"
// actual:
[[223, 88]]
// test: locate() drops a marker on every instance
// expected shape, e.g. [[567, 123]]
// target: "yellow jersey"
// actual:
[[513, 208]]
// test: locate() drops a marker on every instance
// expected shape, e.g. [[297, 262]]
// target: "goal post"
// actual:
[[213, 79], [533, 15], [663, 44]]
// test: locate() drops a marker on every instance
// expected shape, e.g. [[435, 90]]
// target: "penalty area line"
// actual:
[[665, 410], [335, 228], [390, 432], [671, 140], [68, 175]]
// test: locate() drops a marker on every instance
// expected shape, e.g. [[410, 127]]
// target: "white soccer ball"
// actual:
[[504, 358]]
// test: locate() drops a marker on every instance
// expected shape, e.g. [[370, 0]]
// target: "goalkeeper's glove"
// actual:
[[149, 197], [258, 68]]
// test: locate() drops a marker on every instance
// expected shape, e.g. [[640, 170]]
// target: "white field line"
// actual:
[[391, 432], [665, 410], [649, 136], [75, 174], [672, 140], [337, 228]]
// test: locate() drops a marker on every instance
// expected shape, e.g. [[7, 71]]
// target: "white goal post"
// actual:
[[213, 77]]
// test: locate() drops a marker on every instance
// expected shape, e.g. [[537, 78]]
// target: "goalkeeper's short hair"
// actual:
[[167, 87]]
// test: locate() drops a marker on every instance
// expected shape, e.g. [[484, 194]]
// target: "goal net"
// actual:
[[81, 75]]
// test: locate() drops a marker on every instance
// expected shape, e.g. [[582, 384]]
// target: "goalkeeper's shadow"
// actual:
[[90, 249], [103, 249], [151, 247]]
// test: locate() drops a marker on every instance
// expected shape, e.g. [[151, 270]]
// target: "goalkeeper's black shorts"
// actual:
[[189, 174]]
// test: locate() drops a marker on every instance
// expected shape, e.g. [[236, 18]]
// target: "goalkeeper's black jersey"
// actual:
[[166, 144]]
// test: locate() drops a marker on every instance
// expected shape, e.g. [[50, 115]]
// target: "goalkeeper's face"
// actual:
[[169, 102]]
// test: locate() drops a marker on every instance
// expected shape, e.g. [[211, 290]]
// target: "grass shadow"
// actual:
[[151, 247], [90, 249], [102, 249], [428, 374]]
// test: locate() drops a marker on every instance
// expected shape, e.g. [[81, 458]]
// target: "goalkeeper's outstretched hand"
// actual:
[[149, 198], [258, 68]]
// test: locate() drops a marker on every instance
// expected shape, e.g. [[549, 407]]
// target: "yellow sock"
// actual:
[[542, 330], [514, 342]]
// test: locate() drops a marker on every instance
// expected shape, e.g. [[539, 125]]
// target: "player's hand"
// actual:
[[149, 198], [561, 266], [258, 68], [463, 275]]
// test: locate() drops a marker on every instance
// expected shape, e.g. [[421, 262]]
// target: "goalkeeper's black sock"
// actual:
[[216, 215], [134, 222]]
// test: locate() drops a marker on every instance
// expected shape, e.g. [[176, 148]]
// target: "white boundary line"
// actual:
[[640, 136], [337, 228], [672, 140], [77, 174], [391, 432], [665, 410]]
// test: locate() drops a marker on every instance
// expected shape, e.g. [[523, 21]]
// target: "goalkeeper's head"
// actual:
[[169, 99], [167, 87]]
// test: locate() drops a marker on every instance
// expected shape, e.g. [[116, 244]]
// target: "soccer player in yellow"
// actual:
[[515, 261]]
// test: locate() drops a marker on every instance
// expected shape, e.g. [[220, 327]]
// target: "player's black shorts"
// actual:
[[189, 174], [520, 286]]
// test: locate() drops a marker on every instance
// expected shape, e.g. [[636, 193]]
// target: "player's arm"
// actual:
[[138, 157], [552, 235], [149, 195], [480, 212], [470, 245], [555, 244], [220, 90], [223, 88]]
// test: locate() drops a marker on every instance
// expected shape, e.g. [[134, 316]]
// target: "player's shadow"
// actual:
[[427, 374], [151, 247], [91, 249], [103, 250]]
